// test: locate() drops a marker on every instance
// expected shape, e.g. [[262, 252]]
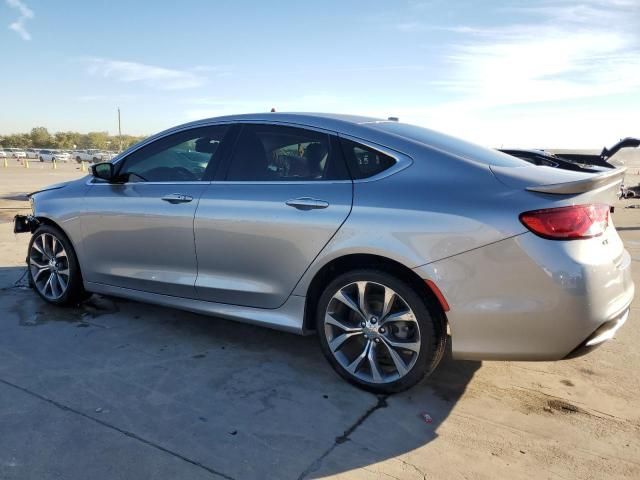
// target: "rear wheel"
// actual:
[[378, 332], [53, 267]]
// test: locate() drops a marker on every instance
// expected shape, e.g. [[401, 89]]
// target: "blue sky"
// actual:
[[546, 73]]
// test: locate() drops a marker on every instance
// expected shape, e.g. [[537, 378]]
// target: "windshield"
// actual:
[[449, 144]]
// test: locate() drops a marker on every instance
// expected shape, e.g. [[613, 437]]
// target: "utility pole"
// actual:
[[119, 132]]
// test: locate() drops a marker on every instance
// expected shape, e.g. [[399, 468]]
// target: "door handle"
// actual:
[[177, 198], [306, 203]]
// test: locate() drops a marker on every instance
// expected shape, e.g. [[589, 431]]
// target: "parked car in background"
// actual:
[[17, 153], [54, 156], [32, 153], [3, 154], [106, 156], [378, 236], [91, 155]]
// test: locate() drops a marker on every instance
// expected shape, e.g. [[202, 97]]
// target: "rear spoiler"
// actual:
[[593, 182]]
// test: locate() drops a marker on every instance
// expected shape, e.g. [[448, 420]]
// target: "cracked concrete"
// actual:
[[115, 389]]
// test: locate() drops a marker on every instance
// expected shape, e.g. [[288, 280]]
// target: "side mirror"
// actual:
[[104, 171]]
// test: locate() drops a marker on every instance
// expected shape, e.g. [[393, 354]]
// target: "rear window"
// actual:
[[449, 144]]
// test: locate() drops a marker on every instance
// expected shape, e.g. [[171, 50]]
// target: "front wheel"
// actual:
[[53, 267], [377, 332]]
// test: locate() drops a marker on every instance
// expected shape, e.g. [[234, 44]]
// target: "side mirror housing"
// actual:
[[103, 171]]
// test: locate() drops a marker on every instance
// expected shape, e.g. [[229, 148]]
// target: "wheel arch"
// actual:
[[52, 223], [349, 262]]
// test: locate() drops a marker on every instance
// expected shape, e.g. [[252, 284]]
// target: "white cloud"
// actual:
[[548, 66], [150, 75], [520, 83], [25, 14], [573, 50], [220, 71]]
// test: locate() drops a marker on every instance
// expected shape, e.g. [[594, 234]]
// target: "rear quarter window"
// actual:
[[364, 162], [449, 144]]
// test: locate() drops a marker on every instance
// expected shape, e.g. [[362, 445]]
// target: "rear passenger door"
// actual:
[[285, 194]]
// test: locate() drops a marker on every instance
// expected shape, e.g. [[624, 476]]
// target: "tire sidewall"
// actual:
[[430, 335], [75, 288]]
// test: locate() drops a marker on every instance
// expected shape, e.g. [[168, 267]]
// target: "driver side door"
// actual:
[[138, 233]]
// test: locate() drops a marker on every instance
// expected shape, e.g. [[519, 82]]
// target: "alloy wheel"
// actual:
[[49, 265], [372, 332]]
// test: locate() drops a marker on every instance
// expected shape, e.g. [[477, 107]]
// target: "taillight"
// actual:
[[567, 223]]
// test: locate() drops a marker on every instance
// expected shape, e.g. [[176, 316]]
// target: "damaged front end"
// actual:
[[25, 224]]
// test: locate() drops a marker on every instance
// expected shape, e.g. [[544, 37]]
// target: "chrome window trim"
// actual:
[[282, 182], [94, 181], [402, 160]]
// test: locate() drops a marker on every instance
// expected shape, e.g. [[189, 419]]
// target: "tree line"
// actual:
[[39, 137]]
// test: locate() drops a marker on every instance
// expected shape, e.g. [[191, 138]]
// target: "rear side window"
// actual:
[[279, 153], [364, 162]]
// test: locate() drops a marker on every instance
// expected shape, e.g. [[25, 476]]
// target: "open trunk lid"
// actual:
[[602, 187]]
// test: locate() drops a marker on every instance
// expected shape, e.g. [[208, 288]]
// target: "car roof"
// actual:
[[301, 117], [328, 121]]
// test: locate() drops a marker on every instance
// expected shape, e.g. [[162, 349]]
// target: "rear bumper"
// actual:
[[527, 298], [604, 332]]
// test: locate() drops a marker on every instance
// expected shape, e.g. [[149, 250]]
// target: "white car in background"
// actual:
[[32, 152], [91, 155], [17, 153], [54, 156], [3, 154], [105, 156]]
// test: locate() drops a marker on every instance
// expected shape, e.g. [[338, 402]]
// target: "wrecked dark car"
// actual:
[[580, 162], [546, 159]]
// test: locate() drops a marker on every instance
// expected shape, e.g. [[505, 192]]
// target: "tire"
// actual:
[[424, 331], [56, 293], [41, 159]]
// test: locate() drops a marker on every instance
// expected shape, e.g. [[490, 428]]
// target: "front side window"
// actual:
[[181, 157], [364, 162], [279, 153]]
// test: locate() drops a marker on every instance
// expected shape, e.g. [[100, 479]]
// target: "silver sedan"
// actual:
[[383, 238]]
